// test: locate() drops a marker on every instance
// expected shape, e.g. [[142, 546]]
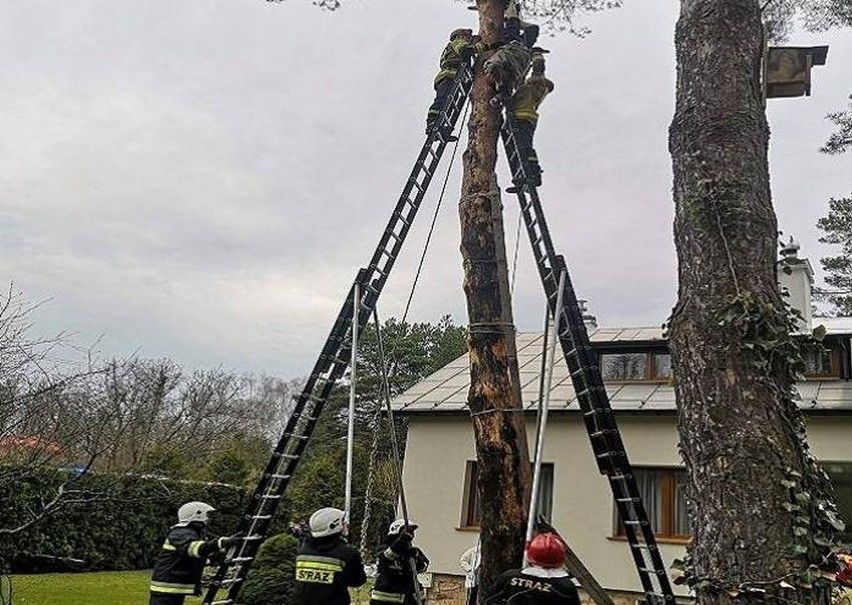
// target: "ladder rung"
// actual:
[[631, 499], [276, 476], [261, 517], [643, 545], [620, 477], [241, 559]]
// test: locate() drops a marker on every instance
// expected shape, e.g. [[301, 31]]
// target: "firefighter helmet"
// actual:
[[327, 522], [194, 512], [397, 526], [844, 575], [546, 550], [461, 33]]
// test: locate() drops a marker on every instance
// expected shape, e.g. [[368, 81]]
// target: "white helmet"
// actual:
[[194, 511], [397, 526], [327, 522]]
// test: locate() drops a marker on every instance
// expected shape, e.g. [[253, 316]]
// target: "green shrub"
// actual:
[[272, 578], [121, 528]]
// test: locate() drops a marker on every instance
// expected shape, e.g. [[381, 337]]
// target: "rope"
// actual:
[[397, 461], [434, 218], [368, 498]]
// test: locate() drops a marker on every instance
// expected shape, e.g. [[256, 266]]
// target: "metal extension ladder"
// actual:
[[334, 358], [601, 426]]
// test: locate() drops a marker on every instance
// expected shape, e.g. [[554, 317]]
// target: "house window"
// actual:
[[626, 367], [471, 505], [822, 364], [841, 478], [663, 492]]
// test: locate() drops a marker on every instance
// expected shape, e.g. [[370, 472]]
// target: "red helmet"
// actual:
[[844, 575], [461, 33], [546, 550]]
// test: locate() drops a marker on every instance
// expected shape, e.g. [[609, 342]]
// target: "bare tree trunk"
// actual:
[[494, 398], [752, 483]]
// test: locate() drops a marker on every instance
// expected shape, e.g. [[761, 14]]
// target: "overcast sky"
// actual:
[[202, 179]]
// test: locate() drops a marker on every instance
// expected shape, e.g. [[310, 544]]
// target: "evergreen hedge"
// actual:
[[273, 575], [121, 527]]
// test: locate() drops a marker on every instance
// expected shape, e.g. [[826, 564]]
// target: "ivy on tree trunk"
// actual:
[[756, 496]]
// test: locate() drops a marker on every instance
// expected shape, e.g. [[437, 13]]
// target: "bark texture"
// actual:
[[740, 433], [494, 397]]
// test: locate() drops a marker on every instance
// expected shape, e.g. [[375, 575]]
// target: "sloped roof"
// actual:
[[446, 390]]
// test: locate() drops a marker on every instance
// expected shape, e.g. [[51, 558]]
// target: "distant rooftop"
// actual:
[[445, 391]]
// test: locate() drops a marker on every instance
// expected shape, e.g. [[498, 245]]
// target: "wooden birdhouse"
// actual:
[[787, 70]]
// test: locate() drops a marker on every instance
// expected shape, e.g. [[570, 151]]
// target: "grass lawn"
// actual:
[[101, 588]]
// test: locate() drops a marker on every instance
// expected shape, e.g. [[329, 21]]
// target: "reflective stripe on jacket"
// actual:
[[397, 564], [387, 597], [181, 560], [325, 569], [528, 97], [451, 58]]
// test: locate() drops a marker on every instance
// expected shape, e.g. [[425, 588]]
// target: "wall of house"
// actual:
[[434, 476]]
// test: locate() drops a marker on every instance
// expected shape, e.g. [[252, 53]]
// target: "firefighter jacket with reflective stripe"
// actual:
[[181, 560], [535, 586], [325, 569], [396, 577], [529, 96], [456, 52]]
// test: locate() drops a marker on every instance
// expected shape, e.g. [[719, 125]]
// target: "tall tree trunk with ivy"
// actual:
[[755, 490], [494, 398]]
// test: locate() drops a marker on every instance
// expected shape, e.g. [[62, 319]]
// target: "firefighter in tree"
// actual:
[[178, 568], [399, 564], [462, 47], [509, 63], [524, 113], [326, 566], [544, 582]]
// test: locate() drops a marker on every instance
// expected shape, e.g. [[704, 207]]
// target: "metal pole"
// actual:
[[418, 596], [397, 465], [542, 424], [350, 429]]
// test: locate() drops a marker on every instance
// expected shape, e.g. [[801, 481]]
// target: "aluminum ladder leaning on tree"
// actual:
[[607, 446], [334, 358]]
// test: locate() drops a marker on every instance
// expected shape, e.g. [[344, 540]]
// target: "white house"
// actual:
[[440, 468]]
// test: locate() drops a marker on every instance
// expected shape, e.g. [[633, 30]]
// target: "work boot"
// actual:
[[534, 179], [448, 136], [538, 50]]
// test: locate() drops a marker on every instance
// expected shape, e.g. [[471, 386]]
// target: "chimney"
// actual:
[[796, 276], [589, 320]]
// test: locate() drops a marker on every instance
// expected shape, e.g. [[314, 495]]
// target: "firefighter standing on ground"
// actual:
[[178, 568], [524, 111], [399, 563], [462, 47], [544, 582], [326, 566]]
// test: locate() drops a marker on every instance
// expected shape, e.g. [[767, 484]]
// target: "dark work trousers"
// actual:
[[442, 91], [471, 595], [158, 598], [524, 131]]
